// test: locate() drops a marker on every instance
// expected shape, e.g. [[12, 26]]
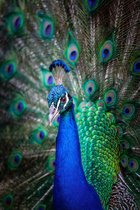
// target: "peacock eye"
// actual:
[[63, 99]]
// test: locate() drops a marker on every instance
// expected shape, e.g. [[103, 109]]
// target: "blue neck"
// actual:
[[70, 185], [68, 156]]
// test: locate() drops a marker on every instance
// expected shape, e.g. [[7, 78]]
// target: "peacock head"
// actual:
[[59, 101]]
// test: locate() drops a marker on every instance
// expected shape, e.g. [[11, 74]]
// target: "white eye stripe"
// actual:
[[67, 99], [56, 109], [52, 106], [58, 103]]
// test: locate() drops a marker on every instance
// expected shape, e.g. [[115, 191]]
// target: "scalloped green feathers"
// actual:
[[45, 26], [101, 104], [8, 69], [99, 142], [15, 22], [84, 104], [72, 51], [17, 107], [39, 135]]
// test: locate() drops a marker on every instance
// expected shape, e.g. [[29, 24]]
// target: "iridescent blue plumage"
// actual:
[[71, 190]]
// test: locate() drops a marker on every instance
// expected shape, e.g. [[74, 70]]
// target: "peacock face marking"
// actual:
[[59, 101]]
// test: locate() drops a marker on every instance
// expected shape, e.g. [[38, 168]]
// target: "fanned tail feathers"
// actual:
[[98, 41]]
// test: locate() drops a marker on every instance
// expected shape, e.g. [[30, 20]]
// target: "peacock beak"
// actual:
[[53, 112]]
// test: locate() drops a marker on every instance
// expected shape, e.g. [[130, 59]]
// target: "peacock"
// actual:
[[69, 105]]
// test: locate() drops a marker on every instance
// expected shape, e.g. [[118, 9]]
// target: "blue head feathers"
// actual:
[[59, 101]]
